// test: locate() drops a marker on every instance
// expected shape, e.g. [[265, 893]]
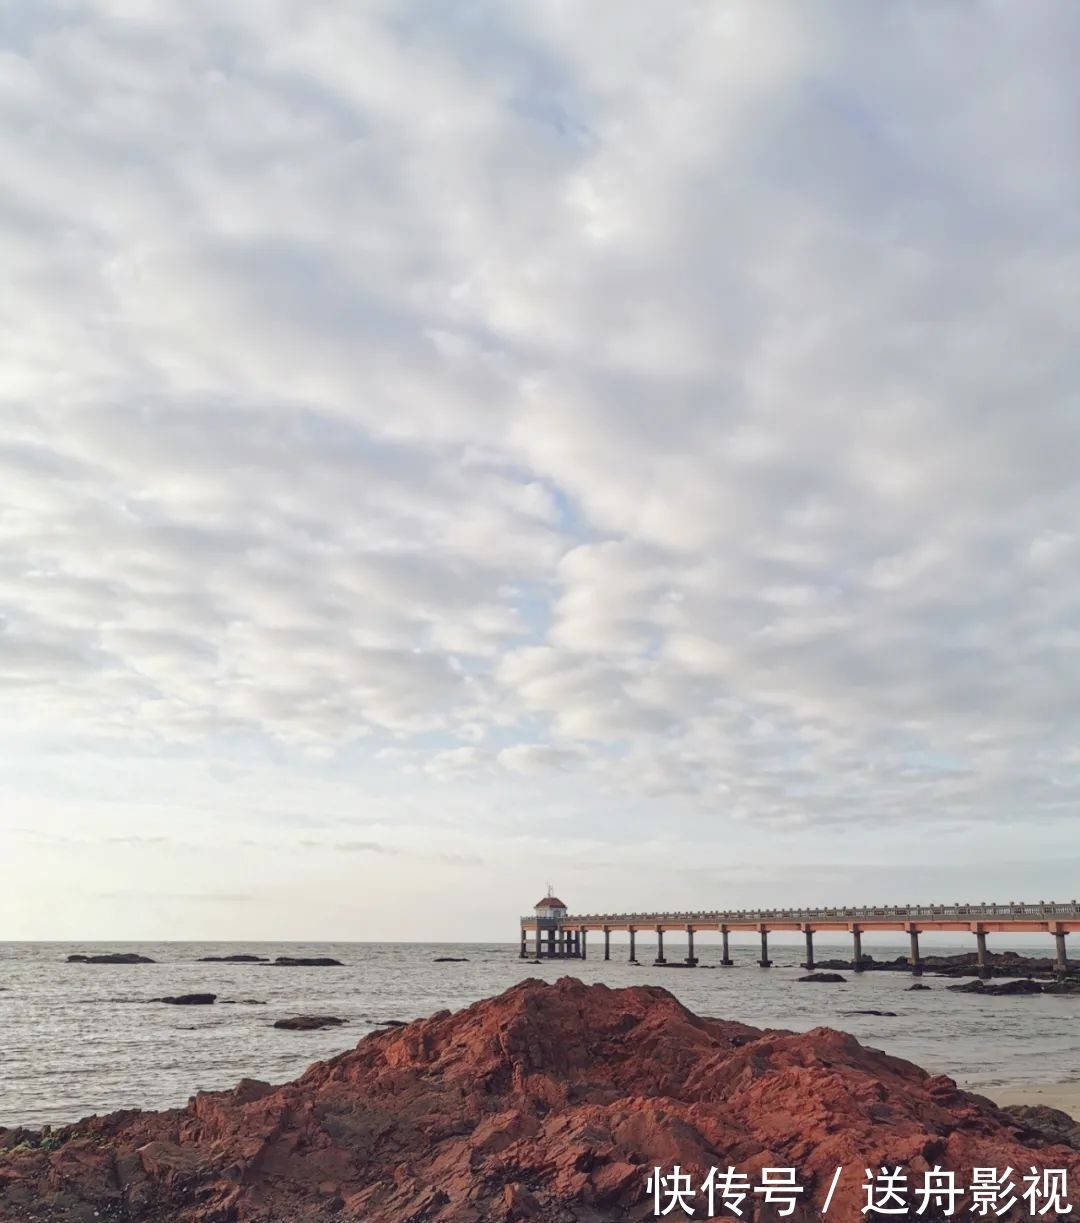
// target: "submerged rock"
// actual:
[[549, 1103], [1069, 985], [451, 959], [234, 959], [1023, 986], [189, 999], [308, 1023], [825, 978], [288, 961]]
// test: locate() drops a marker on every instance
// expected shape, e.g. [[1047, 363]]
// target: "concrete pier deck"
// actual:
[[565, 935]]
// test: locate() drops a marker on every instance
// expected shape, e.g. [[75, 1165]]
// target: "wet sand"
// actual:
[[1065, 1096]]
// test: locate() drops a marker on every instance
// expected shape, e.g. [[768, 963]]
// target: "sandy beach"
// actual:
[[1065, 1096]]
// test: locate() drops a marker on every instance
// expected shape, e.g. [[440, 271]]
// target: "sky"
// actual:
[[451, 449]]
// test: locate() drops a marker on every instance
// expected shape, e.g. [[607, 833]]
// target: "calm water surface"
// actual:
[[77, 1039]]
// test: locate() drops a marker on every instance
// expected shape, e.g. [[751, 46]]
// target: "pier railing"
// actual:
[[999, 912], [567, 936]]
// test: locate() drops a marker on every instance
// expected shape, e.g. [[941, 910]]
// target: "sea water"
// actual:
[[77, 1039]]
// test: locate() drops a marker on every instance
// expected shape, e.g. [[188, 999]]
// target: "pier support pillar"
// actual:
[[981, 961], [765, 962], [583, 945], [913, 958], [725, 957], [551, 943], [856, 949], [809, 965], [1061, 957], [691, 959], [524, 943], [539, 936], [660, 946], [633, 957], [607, 943]]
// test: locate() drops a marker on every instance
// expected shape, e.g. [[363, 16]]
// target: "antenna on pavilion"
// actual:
[[551, 890]]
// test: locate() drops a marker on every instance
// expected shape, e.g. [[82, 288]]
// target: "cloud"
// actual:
[[535, 759], [184, 897], [352, 847], [675, 411]]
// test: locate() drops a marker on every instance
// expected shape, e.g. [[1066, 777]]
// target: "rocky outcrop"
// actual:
[[114, 957], [1050, 1124], [189, 999], [308, 1023], [824, 978], [550, 1103]]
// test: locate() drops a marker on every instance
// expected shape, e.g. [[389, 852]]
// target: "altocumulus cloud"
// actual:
[[679, 408]]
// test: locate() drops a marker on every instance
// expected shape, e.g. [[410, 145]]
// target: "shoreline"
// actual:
[[1063, 1096]]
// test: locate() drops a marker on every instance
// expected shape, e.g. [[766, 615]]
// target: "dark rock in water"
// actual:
[[825, 978], [1023, 986], [1069, 985], [391, 1023], [917, 985], [189, 999], [307, 1023], [998, 964], [115, 957], [288, 961], [451, 959], [1050, 1124], [234, 959], [889, 1014], [240, 1002]]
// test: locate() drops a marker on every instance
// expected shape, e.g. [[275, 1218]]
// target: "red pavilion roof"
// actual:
[[550, 902]]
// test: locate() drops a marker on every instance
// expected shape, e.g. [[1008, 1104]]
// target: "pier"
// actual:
[[553, 932]]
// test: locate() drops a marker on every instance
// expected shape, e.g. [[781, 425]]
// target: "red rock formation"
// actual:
[[549, 1102]]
